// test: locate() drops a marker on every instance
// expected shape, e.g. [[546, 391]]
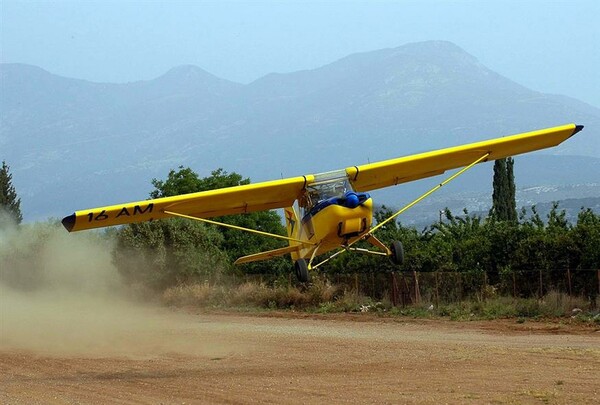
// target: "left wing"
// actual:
[[205, 204], [409, 168]]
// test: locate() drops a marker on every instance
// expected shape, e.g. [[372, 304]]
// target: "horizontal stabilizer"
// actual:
[[267, 255]]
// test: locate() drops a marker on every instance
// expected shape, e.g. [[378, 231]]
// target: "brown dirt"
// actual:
[[286, 358]]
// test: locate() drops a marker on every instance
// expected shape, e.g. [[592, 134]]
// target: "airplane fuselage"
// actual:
[[335, 225]]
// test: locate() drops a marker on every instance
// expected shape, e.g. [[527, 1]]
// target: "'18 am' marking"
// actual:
[[137, 210]]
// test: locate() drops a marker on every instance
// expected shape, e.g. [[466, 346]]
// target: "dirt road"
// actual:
[[225, 358]]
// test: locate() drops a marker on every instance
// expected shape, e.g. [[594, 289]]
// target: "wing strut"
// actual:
[[406, 207], [240, 228], [427, 194]]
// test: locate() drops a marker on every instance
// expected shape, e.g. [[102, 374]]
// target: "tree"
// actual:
[[164, 253], [586, 235], [185, 180], [173, 251], [236, 243], [8, 195], [504, 206], [512, 190]]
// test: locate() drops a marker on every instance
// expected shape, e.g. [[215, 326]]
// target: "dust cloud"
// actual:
[[60, 294]]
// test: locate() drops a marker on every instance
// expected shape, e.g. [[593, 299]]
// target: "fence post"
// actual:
[[437, 290], [394, 290], [485, 284], [356, 283], [514, 277], [417, 289], [541, 285], [569, 280], [405, 287], [373, 285]]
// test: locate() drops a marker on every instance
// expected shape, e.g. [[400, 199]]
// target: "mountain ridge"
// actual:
[[80, 137]]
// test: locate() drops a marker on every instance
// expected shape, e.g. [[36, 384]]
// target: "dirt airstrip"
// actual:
[[70, 333], [177, 358]]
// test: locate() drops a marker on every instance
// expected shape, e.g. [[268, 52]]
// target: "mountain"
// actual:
[[72, 144]]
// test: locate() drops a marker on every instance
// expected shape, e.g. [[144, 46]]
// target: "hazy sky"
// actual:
[[550, 46]]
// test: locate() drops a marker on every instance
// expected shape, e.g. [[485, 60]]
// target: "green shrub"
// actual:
[[169, 252]]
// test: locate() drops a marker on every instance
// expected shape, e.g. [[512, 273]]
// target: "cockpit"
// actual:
[[330, 188]]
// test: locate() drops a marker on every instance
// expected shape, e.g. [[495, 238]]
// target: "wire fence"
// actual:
[[404, 288]]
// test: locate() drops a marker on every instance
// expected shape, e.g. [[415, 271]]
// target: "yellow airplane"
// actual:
[[336, 210]]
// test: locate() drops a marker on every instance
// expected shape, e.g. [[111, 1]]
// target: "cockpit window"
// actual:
[[326, 185], [323, 191]]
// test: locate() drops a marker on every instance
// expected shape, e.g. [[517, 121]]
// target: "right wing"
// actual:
[[414, 167]]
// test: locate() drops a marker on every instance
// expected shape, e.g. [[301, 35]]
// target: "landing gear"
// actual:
[[397, 256], [301, 270]]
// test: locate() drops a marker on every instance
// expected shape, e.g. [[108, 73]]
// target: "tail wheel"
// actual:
[[397, 256], [301, 270]]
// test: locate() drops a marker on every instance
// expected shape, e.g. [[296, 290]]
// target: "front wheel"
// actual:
[[397, 256], [301, 270]]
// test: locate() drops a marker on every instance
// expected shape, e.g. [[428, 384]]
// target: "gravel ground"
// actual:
[[159, 356]]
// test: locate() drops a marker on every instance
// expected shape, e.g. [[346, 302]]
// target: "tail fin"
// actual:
[[292, 223], [293, 229]]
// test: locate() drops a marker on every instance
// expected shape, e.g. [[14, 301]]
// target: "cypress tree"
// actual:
[[504, 206], [512, 197], [499, 193], [9, 201]]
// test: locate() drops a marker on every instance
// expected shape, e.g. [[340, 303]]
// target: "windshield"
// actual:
[[326, 185]]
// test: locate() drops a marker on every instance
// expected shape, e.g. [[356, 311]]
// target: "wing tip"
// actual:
[[69, 222], [578, 128]]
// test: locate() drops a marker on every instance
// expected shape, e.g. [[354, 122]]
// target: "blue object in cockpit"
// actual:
[[350, 200]]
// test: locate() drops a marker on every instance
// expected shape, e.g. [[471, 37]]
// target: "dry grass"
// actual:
[[250, 294], [553, 305], [193, 294], [561, 304], [322, 296]]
